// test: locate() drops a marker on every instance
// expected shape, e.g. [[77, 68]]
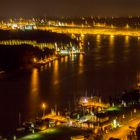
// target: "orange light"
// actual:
[[43, 105]]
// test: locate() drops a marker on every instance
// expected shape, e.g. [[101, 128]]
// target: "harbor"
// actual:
[[91, 118]]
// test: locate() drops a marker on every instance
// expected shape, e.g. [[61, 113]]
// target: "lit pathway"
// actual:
[[90, 30], [124, 130]]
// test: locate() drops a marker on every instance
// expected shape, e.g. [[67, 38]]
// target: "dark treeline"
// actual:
[[22, 56], [39, 36], [129, 97]]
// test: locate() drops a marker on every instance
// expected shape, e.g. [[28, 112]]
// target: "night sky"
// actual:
[[69, 7]]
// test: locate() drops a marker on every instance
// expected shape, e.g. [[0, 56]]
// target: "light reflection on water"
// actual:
[[127, 41], [56, 72], [34, 94], [111, 49], [81, 69], [98, 40], [34, 82], [126, 48], [111, 40]]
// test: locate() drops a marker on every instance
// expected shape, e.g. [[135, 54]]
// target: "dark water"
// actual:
[[111, 65]]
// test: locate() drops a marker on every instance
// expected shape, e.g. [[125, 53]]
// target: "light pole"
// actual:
[[43, 108]]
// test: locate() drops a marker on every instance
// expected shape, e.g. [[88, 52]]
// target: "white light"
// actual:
[[14, 26], [64, 52], [115, 122], [85, 100]]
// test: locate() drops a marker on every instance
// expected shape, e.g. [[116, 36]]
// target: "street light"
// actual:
[[43, 108]]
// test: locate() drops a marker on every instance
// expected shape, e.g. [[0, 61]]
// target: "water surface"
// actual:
[[110, 65]]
